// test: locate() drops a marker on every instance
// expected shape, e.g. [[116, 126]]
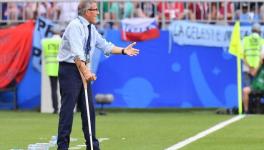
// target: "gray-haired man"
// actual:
[[79, 41]]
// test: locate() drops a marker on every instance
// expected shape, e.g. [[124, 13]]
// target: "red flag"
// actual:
[[15, 48], [139, 29]]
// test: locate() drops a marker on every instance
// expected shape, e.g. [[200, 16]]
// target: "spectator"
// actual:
[[120, 10], [244, 15], [52, 12], [20, 7], [67, 11], [172, 10], [106, 7], [145, 9], [42, 9], [226, 11], [255, 12], [198, 10], [115, 10], [252, 47], [30, 11], [128, 9], [261, 12], [106, 14], [4, 8], [12, 11], [213, 11], [114, 14]]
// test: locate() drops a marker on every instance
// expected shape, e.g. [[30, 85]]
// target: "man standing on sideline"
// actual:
[[253, 50], [51, 47], [78, 43]]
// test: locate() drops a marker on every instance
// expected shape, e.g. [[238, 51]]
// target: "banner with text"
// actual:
[[190, 33]]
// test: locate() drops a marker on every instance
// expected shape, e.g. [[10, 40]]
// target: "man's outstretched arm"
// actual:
[[129, 50]]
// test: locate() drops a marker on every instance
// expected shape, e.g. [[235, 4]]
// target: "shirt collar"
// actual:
[[84, 21]]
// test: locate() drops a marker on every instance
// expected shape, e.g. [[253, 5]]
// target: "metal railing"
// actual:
[[112, 12]]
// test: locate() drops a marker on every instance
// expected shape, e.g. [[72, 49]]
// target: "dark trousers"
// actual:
[[54, 96], [72, 92]]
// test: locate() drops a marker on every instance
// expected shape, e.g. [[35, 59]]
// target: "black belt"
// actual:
[[66, 63]]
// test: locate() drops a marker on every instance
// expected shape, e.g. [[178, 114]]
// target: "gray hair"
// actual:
[[256, 28], [84, 5]]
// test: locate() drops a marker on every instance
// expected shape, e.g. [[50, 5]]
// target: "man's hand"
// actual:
[[130, 51], [253, 71], [87, 74]]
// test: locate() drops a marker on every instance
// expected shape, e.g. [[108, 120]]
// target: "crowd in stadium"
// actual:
[[113, 11]]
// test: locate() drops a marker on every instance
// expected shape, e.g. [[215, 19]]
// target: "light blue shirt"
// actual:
[[74, 41]]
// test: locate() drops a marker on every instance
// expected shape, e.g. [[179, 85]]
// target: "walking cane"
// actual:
[[87, 107]]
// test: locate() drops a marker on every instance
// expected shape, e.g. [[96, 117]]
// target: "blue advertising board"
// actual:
[[166, 74]]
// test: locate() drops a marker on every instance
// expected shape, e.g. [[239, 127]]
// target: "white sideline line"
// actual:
[[205, 133]]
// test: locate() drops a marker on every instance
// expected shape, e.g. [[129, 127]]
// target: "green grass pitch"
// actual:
[[146, 130]]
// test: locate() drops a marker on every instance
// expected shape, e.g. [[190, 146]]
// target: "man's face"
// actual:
[[92, 13]]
